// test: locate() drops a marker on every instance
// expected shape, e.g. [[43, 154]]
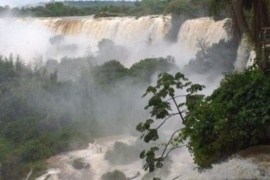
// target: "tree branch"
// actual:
[[183, 120], [167, 145], [177, 177], [172, 150], [176, 97], [171, 115]]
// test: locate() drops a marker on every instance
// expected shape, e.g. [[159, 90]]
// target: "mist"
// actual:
[[102, 97]]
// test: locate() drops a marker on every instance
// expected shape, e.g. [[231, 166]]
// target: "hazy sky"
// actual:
[[18, 2], [14, 3]]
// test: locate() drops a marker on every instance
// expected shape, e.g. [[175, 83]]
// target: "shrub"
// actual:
[[234, 117]]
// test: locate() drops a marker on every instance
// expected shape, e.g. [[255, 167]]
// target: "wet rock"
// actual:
[[79, 164]]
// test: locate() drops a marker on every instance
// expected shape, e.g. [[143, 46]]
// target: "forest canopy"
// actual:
[[41, 116], [189, 8]]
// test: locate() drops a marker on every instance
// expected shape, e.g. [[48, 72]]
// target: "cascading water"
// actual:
[[245, 56], [121, 30], [143, 37], [182, 166], [203, 29]]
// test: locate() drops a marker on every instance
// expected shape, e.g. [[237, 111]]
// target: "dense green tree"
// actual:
[[188, 8], [110, 72], [233, 118], [215, 60], [144, 70], [161, 103]]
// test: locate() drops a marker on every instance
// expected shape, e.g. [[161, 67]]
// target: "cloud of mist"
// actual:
[[116, 110], [31, 39]]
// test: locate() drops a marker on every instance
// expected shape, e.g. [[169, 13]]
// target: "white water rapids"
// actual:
[[182, 165]]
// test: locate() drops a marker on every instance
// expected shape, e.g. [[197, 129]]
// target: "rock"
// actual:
[[79, 164]]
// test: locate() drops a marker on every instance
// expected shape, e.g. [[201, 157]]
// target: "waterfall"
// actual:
[[203, 29], [143, 37], [121, 30], [128, 30], [244, 54]]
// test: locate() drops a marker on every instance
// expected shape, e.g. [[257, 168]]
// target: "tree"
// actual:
[[260, 18], [161, 104], [233, 118], [188, 8], [213, 61]]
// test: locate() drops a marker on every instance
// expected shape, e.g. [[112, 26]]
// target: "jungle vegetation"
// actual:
[[41, 116]]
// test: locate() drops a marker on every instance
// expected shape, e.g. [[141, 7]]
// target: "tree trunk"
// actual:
[[260, 19], [238, 17]]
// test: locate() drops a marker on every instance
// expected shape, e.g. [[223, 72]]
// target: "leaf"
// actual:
[[151, 89], [150, 121], [154, 100], [171, 92], [187, 84], [181, 105], [142, 154], [159, 164], [155, 148], [179, 76], [140, 127], [146, 125], [152, 135]]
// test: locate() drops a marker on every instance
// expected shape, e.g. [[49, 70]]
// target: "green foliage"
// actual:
[[152, 6], [178, 7], [54, 9], [188, 8], [41, 116], [234, 117], [218, 58], [144, 70], [216, 8], [5, 148], [160, 173], [113, 8], [26, 135], [34, 150], [160, 105], [110, 72]]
